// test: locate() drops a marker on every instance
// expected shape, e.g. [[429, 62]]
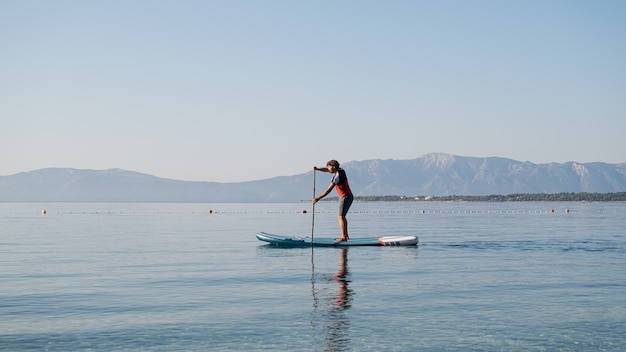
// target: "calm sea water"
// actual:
[[172, 277]]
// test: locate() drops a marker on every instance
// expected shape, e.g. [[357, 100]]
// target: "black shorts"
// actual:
[[344, 204]]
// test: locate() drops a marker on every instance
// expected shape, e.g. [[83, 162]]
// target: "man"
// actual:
[[340, 183]]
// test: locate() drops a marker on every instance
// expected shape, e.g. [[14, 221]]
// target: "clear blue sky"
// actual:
[[244, 90]]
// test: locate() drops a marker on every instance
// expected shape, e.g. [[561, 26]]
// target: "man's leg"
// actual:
[[344, 206], [343, 225]]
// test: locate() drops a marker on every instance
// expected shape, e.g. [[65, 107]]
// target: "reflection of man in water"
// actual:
[[343, 292], [336, 304], [338, 337]]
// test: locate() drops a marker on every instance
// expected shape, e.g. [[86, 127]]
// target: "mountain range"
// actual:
[[435, 174]]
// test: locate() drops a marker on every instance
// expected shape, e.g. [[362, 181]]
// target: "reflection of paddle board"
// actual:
[[294, 241]]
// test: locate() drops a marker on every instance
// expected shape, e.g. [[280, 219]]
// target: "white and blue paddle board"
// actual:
[[295, 241]]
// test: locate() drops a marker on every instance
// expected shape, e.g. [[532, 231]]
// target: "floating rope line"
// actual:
[[566, 211]]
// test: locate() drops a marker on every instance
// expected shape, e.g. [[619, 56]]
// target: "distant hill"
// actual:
[[440, 174], [432, 174]]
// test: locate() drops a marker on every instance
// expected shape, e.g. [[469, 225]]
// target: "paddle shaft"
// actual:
[[313, 210]]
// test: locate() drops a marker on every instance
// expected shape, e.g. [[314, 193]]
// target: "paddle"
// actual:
[[313, 210]]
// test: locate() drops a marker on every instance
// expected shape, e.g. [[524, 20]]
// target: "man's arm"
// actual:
[[328, 190]]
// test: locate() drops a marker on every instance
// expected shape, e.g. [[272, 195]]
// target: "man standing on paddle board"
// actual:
[[340, 183]]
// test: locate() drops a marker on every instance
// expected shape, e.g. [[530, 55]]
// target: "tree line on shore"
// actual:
[[516, 197]]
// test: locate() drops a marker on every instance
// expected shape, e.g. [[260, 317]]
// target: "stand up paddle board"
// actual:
[[295, 241]]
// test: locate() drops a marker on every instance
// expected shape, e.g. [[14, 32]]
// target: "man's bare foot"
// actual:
[[341, 239]]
